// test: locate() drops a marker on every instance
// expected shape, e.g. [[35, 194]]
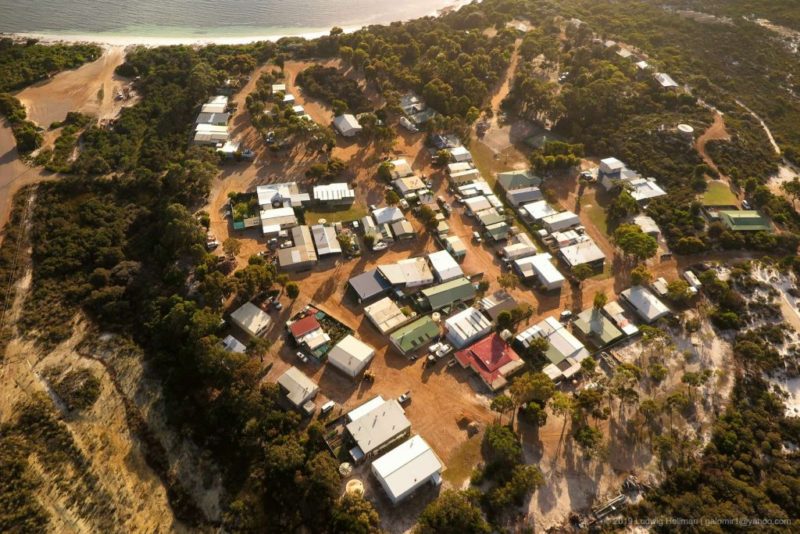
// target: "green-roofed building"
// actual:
[[449, 293], [517, 180], [414, 335], [593, 327], [744, 221], [490, 217], [498, 231]]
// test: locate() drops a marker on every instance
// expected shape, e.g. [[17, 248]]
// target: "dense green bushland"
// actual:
[[447, 60], [26, 63], [333, 88], [26, 133], [721, 62], [746, 471], [36, 435]]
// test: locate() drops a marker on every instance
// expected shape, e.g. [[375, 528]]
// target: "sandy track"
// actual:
[[51, 100], [715, 132], [14, 174], [89, 89]]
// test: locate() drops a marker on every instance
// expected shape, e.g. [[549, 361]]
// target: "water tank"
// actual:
[[436, 317], [355, 487], [686, 131]]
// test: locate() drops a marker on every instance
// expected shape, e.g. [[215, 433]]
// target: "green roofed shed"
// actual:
[[517, 180], [595, 327], [414, 335], [498, 231], [449, 293], [744, 220]]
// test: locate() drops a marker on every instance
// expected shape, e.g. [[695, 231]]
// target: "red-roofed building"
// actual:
[[304, 326], [492, 359]]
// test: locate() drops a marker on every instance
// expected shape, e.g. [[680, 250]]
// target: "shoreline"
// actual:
[[153, 41], [124, 40]]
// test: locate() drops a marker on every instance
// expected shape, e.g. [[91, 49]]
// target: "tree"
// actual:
[[529, 387], [537, 348], [589, 366], [346, 242], [695, 379], [258, 347], [442, 158], [588, 438], [502, 404], [292, 290], [622, 207], [634, 242], [385, 171], [483, 287], [504, 320], [561, 404], [369, 240], [640, 275], [391, 197], [792, 189], [524, 479], [454, 512], [508, 281], [232, 246], [678, 292], [600, 300], [428, 217], [503, 449], [582, 272], [353, 514]]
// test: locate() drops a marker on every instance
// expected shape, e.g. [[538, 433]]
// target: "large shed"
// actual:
[[251, 319], [406, 468], [351, 355]]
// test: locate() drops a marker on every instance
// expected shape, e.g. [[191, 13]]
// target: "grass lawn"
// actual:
[[719, 194], [596, 213], [464, 460], [355, 212], [483, 158]]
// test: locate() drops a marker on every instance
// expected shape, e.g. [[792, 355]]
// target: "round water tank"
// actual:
[[355, 487], [436, 317], [345, 469], [686, 130]]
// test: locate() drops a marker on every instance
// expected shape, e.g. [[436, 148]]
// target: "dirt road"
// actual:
[[14, 174], [89, 89], [715, 132]]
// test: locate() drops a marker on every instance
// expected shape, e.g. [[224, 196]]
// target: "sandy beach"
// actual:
[[132, 39], [153, 41]]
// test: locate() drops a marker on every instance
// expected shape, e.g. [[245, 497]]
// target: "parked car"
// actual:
[[327, 407], [477, 237], [746, 205], [302, 357], [380, 245], [565, 316], [276, 305], [443, 349], [405, 398]]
